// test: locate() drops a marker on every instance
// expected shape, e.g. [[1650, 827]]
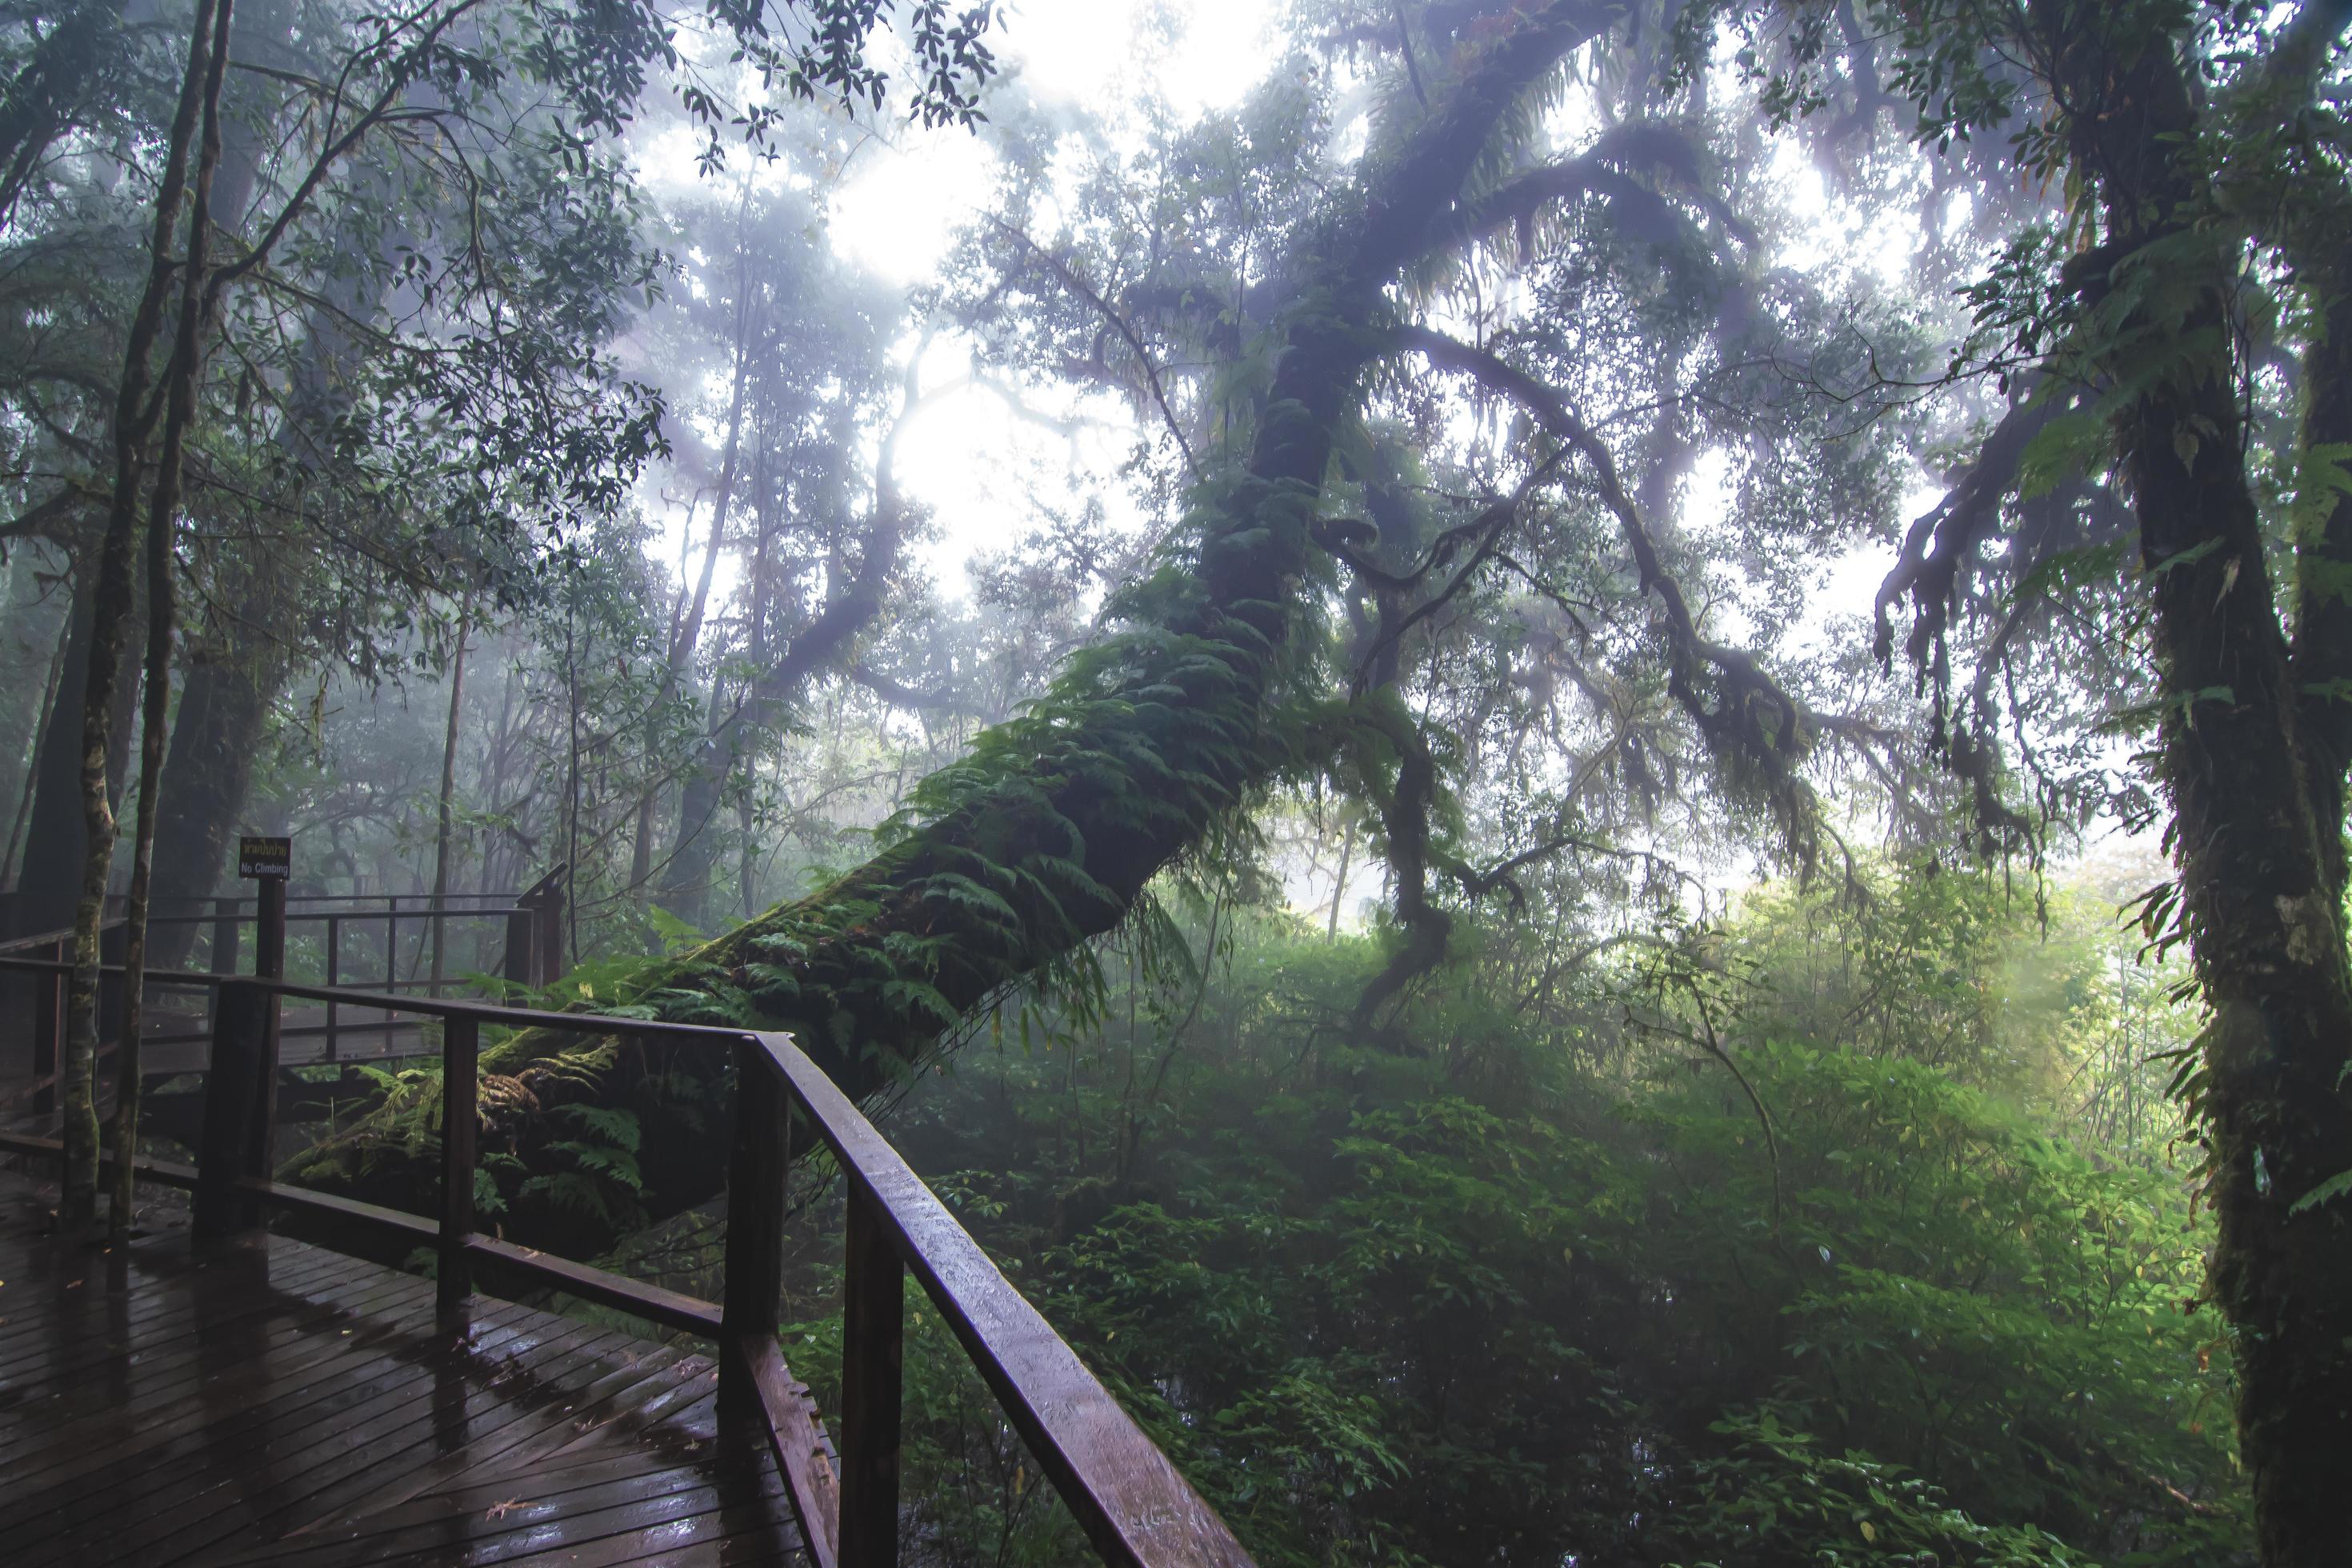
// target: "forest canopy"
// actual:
[[1579, 763]]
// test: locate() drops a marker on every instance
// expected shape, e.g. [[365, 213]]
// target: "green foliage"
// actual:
[[1471, 1294], [1778, 1497]]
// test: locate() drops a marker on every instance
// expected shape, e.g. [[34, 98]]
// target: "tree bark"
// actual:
[[444, 801], [112, 604], [184, 376], [825, 642], [224, 714], [2323, 637], [677, 889], [40, 709], [2255, 840], [51, 870], [226, 704], [1043, 838]]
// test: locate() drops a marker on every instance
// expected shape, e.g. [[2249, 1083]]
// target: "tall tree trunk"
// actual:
[[232, 687], [185, 375], [50, 873], [32, 753], [683, 646], [224, 714], [2255, 827], [1045, 836], [685, 638], [857, 598], [2323, 637], [112, 600], [1339, 888], [448, 790], [572, 784], [56, 852]]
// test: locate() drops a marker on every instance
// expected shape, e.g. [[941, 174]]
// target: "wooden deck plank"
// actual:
[[72, 1424], [163, 1355], [279, 1403], [58, 1284], [205, 1421], [500, 1492], [217, 1310], [317, 1424], [290, 1373], [74, 1310], [612, 1399], [82, 1341], [740, 1532], [525, 1389], [528, 1518], [285, 1467], [414, 1468]]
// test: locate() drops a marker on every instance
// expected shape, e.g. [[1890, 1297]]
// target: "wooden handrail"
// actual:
[[1133, 1502], [317, 917], [1135, 1507], [46, 939]]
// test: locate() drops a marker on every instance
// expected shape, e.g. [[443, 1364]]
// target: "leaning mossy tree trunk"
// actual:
[[1045, 836]]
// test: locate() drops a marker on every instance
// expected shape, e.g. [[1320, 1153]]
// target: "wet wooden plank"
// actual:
[[279, 1403], [151, 1403], [316, 1426], [577, 1425], [162, 1307], [210, 1420], [498, 1493], [315, 1460], [157, 1341], [495, 1524]]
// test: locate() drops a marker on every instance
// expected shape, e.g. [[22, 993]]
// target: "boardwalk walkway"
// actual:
[[276, 1403]]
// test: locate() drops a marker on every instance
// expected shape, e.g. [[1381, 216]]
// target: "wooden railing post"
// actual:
[[461, 1051], [268, 963], [547, 940], [270, 928], [520, 967], [873, 1285], [754, 1276], [239, 1088]]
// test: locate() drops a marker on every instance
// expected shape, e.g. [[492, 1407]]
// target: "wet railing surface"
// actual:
[[1130, 1499]]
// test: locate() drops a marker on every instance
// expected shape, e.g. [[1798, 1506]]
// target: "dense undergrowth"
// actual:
[[1525, 1281]]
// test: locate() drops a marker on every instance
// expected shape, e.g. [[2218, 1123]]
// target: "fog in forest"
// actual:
[[1580, 766]]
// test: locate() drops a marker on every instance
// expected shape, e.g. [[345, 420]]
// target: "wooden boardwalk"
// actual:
[[273, 1402]]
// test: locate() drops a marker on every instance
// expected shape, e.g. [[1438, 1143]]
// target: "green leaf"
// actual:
[[2336, 1186], [2068, 447]]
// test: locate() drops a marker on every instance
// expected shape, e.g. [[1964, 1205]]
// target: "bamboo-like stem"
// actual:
[[183, 376], [134, 417], [448, 788]]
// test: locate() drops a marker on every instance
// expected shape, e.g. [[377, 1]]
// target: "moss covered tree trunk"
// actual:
[[1045, 836], [223, 720], [115, 596], [2256, 791]]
